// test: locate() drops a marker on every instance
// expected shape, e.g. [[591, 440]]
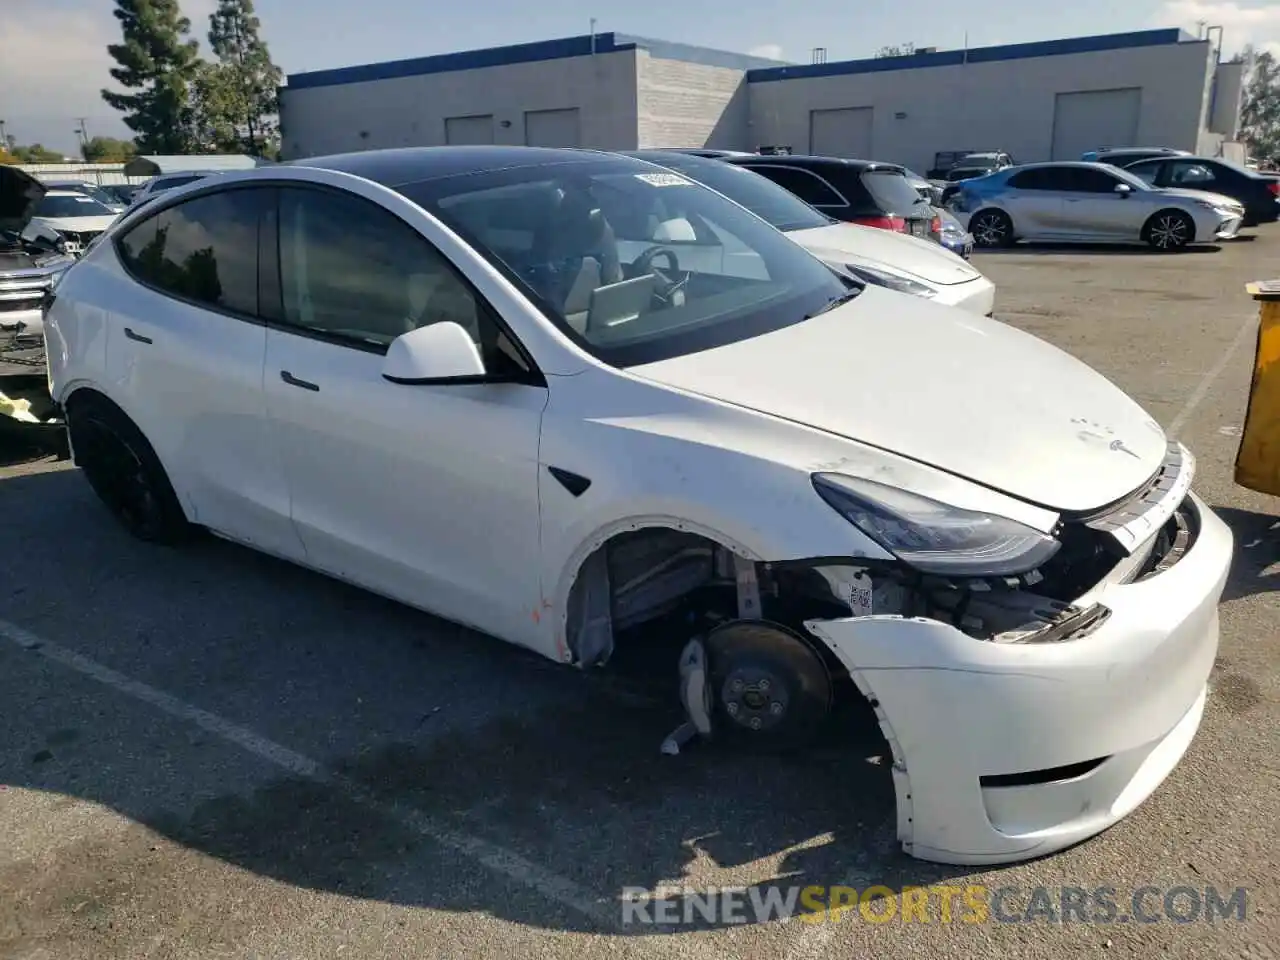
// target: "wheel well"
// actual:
[[82, 395], [642, 594]]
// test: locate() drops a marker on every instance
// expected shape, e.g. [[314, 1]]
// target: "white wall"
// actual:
[[1006, 105], [411, 111]]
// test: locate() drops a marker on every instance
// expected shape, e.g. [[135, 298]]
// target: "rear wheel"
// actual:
[[1169, 230], [124, 471], [991, 228], [771, 689]]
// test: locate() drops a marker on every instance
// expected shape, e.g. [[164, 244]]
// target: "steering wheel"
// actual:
[[670, 280]]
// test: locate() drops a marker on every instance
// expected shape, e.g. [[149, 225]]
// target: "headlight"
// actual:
[[934, 537], [892, 281]]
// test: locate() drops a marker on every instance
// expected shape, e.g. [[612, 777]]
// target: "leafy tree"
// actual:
[[238, 92], [36, 153], [897, 50], [156, 61], [107, 150], [1260, 113]]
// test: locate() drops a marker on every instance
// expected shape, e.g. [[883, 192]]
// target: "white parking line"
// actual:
[[1207, 381], [604, 911]]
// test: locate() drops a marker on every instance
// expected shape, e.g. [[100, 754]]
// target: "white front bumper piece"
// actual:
[[1008, 751]]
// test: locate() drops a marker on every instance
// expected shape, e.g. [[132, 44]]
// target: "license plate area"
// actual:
[[918, 228]]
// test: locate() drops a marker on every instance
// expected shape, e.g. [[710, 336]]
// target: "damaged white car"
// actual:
[[485, 381]]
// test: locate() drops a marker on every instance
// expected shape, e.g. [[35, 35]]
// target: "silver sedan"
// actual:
[[1089, 202]]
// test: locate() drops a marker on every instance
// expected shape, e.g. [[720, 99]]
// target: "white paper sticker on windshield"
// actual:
[[861, 595], [663, 179], [83, 199]]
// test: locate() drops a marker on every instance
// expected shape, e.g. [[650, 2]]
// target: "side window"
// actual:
[[1037, 178], [803, 184], [350, 269], [1087, 180], [204, 250], [1185, 174], [1148, 171]]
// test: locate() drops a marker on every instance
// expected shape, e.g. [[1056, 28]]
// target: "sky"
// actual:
[[53, 59]]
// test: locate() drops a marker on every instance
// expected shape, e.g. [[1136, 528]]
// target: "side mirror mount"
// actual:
[[1123, 190], [440, 352]]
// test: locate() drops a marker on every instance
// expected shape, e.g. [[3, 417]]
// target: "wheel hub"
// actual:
[[754, 698]]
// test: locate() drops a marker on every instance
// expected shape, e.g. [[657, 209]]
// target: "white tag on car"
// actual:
[[861, 595]]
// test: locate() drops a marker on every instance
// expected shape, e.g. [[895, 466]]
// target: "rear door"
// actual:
[[1034, 198], [186, 350]]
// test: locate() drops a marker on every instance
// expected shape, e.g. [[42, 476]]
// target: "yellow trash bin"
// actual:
[[1258, 460]]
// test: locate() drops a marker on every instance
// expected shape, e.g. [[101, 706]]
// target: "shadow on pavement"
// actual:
[[1256, 566], [574, 783]]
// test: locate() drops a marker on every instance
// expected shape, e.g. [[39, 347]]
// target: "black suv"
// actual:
[[855, 191]]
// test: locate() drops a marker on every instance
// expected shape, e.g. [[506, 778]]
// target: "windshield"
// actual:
[[88, 189], [635, 263], [59, 207], [774, 204], [1146, 172]]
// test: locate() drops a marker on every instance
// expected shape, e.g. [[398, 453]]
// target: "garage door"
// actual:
[[552, 128], [1095, 118], [477, 129], [840, 133]]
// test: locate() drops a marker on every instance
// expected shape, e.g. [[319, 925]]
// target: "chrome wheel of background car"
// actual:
[[770, 688], [124, 472], [1169, 230], [992, 228]]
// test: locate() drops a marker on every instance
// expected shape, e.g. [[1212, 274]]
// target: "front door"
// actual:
[[427, 493], [1094, 210]]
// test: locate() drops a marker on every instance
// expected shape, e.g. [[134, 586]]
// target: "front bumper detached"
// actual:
[[1008, 751]]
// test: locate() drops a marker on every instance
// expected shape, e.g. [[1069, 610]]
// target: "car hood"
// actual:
[[79, 224], [19, 194], [897, 251], [968, 395]]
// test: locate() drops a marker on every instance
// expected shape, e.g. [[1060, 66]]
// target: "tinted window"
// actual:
[[768, 201], [636, 264], [1188, 173], [1088, 180], [205, 249], [1147, 171], [802, 183], [351, 270], [1040, 178]]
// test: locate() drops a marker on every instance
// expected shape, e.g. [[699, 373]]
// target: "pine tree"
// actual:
[[1260, 114], [244, 82], [156, 61]]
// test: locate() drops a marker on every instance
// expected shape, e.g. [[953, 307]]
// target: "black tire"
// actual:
[[770, 688], [1169, 230], [124, 471], [991, 229]]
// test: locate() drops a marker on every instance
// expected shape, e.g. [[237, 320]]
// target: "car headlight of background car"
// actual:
[[893, 281], [935, 537]]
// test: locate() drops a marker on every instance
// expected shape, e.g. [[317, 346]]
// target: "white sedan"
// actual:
[[464, 378]]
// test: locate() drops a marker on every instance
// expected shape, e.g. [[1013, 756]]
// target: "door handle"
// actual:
[[129, 332], [293, 381]]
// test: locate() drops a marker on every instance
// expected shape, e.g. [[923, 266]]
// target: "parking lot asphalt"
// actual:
[[207, 753]]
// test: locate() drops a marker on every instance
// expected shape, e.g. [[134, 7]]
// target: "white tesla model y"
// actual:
[[556, 394]]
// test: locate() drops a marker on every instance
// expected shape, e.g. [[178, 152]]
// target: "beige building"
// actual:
[[1037, 101]]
